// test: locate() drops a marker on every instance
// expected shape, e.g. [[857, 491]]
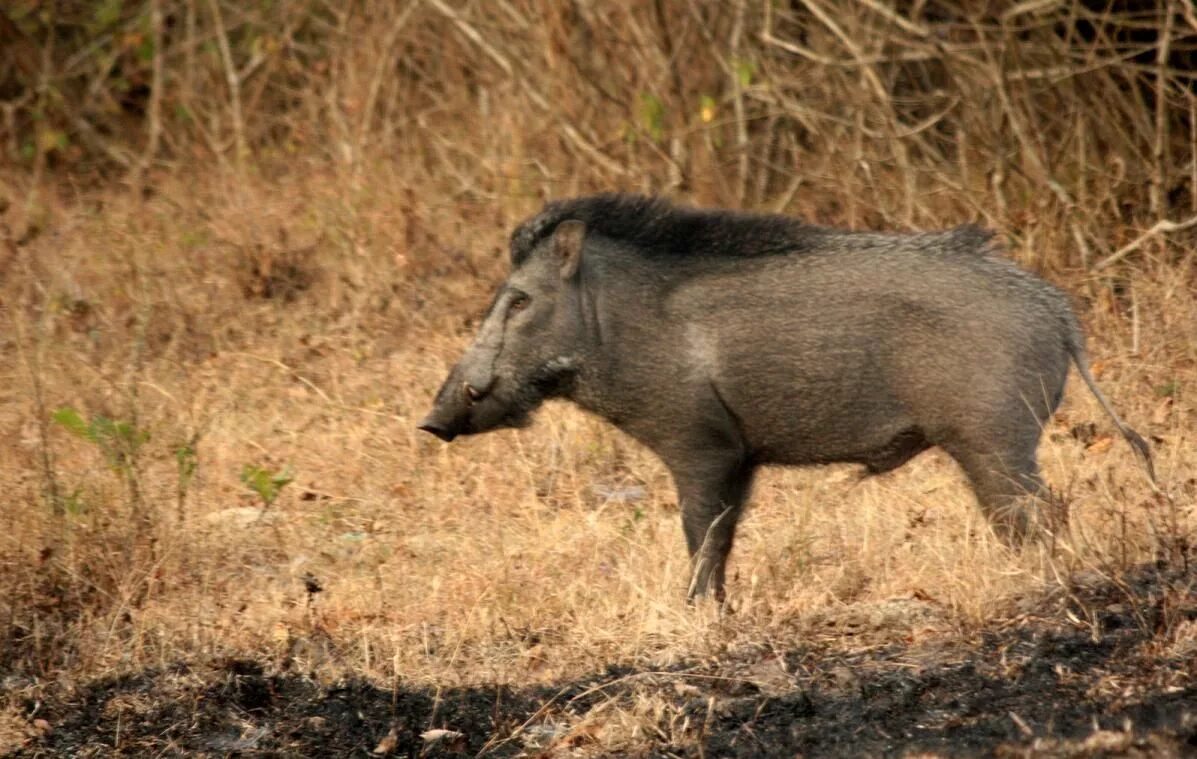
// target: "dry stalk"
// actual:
[[705, 556], [1159, 183], [738, 104], [1192, 101], [233, 81], [1164, 226], [470, 31], [154, 108], [386, 62]]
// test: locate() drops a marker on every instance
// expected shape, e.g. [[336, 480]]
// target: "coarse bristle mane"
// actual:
[[658, 228]]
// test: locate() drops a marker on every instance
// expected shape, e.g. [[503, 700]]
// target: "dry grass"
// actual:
[[533, 554], [295, 304]]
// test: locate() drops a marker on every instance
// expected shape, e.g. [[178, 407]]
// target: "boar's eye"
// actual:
[[520, 302]]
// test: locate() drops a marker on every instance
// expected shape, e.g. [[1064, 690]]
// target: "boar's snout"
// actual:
[[447, 420], [450, 415], [437, 427]]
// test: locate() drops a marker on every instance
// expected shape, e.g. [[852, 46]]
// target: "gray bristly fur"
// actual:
[[724, 341]]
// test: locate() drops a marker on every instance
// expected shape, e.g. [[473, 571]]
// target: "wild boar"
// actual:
[[724, 341]]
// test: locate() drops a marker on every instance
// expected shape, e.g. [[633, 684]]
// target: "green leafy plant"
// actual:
[[118, 441], [652, 116], [187, 462], [1169, 389], [73, 504], [266, 483], [745, 71]]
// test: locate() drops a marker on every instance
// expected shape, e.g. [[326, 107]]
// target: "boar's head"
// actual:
[[528, 346]]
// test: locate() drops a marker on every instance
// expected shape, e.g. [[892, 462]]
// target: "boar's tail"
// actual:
[[1077, 350]]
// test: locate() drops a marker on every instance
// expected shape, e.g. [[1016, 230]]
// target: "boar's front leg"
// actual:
[[711, 488]]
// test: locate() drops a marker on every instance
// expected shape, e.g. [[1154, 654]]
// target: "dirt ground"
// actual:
[[1106, 666]]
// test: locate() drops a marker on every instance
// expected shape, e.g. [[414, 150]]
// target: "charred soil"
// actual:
[[1102, 667]]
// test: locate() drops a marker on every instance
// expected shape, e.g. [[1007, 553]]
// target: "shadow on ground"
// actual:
[[1103, 668]]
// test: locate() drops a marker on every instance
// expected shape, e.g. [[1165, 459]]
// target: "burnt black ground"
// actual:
[[1092, 671]]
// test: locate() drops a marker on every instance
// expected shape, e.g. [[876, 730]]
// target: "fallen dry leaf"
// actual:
[[1101, 444], [582, 734], [388, 743], [1162, 409], [451, 739]]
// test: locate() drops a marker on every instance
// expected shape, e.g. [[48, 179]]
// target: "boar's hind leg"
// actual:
[[711, 495], [1008, 488]]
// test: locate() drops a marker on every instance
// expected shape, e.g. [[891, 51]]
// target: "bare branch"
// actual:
[[1163, 226]]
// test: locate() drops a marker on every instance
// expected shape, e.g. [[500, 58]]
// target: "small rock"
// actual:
[[620, 493], [240, 517]]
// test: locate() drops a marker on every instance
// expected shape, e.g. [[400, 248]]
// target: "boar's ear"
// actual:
[[567, 246]]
